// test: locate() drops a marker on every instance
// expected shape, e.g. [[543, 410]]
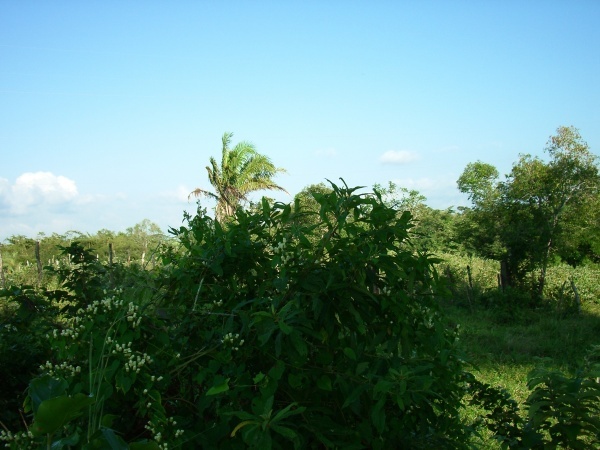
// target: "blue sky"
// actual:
[[109, 111]]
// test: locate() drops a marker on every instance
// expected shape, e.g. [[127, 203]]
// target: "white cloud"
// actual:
[[426, 183], [440, 192], [398, 157], [179, 194], [36, 188], [44, 202]]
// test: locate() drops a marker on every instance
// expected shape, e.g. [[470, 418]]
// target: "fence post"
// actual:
[[38, 261], [577, 298], [2, 272]]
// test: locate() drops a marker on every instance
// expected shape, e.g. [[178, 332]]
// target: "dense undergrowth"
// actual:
[[286, 328]]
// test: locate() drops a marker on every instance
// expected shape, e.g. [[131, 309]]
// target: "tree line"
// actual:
[[543, 212]]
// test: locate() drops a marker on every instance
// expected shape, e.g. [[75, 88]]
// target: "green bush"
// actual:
[[26, 315], [251, 335], [338, 344]]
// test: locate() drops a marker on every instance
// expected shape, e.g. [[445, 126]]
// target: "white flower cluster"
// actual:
[[132, 314], [280, 249], [62, 369], [77, 323], [157, 435], [107, 303], [134, 361], [24, 439], [233, 340], [429, 316]]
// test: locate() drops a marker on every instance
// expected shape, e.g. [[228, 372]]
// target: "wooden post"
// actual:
[[577, 298], [110, 262], [470, 289], [38, 261], [505, 277], [2, 272], [469, 276]]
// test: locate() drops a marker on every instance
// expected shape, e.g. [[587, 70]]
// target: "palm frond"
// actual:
[[242, 170], [199, 192]]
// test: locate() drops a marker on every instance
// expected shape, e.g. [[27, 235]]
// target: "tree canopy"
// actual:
[[242, 170], [539, 209]]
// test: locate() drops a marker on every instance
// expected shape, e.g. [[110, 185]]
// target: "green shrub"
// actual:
[[263, 332], [338, 344], [254, 336], [26, 315]]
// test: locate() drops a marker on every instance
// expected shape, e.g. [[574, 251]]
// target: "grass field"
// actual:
[[504, 342]]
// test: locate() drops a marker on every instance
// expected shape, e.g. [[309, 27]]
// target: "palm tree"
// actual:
[[243, 170]]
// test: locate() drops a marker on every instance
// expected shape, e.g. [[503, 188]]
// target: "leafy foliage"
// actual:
[[348, 330], [254, 336], [284, 327], [562, 410], [242, 170], [539, 211]]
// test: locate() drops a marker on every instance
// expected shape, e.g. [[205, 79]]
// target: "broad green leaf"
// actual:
[[354, 395], [67, 442], [400, 402], [123, 382], [401, 387], [378, 415], [54, 413], [299, 343], [361, 367], [284, 327], [115, 442], [288, 411], [44, 388], [295, 380], [108, 419], [277, 370], [350, 353], [285, 432], [383, 386], [218, 389], [324, 382]]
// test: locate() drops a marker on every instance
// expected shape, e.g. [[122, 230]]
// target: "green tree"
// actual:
[[553, 194], [433, 230], [402, 199], [243, 170], [540, 206], [480, 226]]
